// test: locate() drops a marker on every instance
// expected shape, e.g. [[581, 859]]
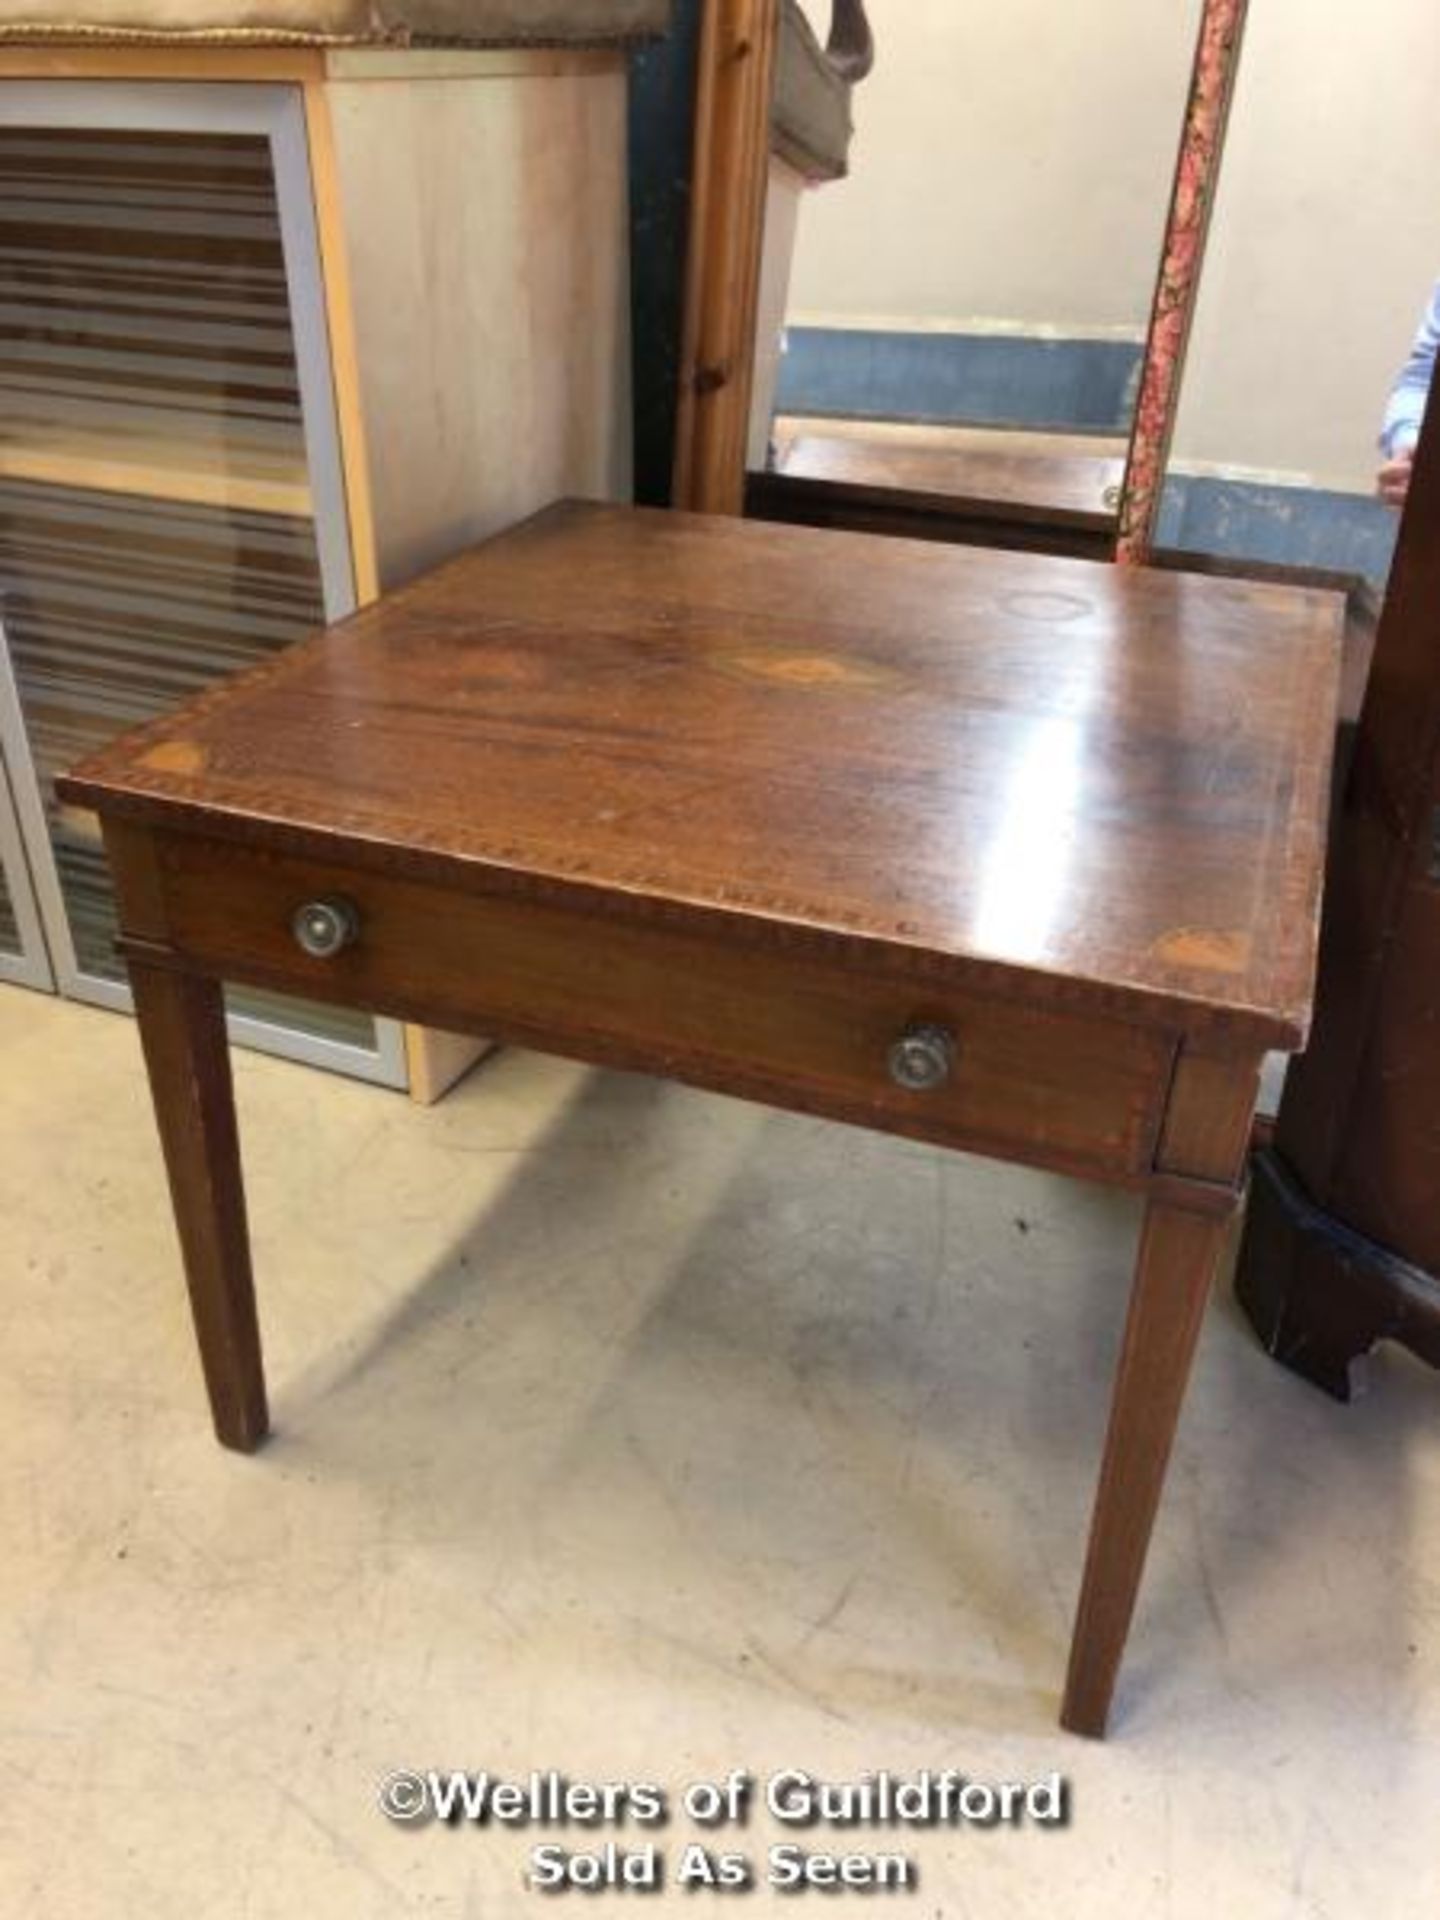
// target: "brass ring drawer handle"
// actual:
[[323, 928], [922, 1059]]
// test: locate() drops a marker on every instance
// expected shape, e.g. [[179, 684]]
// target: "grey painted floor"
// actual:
[[641, 1434]]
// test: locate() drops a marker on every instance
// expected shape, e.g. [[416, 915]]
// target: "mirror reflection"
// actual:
[[1323, 256], [952, 330]]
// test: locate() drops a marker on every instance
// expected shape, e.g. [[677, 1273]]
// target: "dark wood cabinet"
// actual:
[[1342, 1247]]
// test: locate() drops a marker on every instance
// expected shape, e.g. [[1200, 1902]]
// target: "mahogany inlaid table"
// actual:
[[1014, 854]]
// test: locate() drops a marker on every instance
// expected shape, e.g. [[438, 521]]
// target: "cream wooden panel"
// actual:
[[460, 63], [434, 1061], [102, 60], [199, 60], [486, 228], [782, 221], [344, 352], [485, 233]]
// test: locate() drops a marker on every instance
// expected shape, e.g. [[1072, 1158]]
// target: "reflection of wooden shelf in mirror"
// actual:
[[1031, 442], [997, 492], [1060, 486], [159, 469]]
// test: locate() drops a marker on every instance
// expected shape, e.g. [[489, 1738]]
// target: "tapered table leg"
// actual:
[[187, 1055], [1179, 1251]]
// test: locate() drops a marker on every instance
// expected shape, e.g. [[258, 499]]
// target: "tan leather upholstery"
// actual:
[[485, 23]]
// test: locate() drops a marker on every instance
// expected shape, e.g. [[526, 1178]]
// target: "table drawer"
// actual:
[[764, 1021]]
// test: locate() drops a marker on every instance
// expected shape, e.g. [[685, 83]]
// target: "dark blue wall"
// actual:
[[1073, 386], [970, 379]]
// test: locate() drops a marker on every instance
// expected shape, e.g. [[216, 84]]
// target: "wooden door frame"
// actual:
[[734, 90]]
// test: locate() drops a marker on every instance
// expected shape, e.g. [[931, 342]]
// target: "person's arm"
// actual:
[[1406, 407]]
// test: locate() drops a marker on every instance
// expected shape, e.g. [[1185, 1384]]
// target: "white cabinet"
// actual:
[[267, 344]]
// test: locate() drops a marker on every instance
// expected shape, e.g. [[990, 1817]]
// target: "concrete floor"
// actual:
[[641, 1434]]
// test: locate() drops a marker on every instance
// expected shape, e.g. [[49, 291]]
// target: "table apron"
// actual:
[[1079, 1092]]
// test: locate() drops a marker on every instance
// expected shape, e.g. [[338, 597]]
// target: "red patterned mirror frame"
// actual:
[[1202, 141]]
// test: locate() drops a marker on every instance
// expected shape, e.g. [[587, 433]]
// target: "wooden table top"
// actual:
[[1064, 487], [1034, 772]]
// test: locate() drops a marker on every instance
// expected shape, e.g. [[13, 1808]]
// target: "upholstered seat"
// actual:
[[811, 122], [482, 23]]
